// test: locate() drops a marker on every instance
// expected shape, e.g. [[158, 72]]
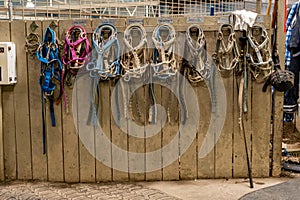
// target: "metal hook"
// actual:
[[33, 26], [53, 25]]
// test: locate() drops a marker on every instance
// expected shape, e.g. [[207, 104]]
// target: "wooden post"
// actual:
[[278, 96], [2, 177]]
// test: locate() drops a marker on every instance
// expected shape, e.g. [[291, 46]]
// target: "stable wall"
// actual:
[[68, 160]]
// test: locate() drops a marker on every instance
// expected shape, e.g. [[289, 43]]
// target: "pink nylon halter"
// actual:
[[71, 46], [73, 58]]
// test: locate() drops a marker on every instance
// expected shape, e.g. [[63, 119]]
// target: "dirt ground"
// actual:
[[290, 133], [291, 137]]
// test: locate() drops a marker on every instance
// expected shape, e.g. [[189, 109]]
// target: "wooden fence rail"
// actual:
[[67, 158]]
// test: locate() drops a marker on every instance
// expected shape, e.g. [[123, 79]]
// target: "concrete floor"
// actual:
[[212, 189]]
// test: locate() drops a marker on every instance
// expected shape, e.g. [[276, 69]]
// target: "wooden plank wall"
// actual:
[[68, 160]]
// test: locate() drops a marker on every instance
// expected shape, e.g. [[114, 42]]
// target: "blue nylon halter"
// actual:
[[48, 55], [98, 71], [155, 71]]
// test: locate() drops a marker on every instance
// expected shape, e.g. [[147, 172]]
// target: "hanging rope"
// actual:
[[32, 42]]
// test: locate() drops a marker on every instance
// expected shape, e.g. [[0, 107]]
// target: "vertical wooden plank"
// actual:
[[70, 136], [21, 105], [223, 150], [119, 135], [189, 156], [54, 135], [277, 133], [86, 132], [103, 172], [261, 116], [153, 133], [223, 147], [278, 97], [3, 36], [169, 132], [2, 172], [87, 165], [39, 160], [137, 144], [9, 132], [206, 167], [240, 168], [188, 161], [119, 139], [136, 136], [153, 142], [153, 137], [261, 126]]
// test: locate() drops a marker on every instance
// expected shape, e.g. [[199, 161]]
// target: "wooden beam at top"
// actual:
[[258, 6], [99, 5], [61, 2]]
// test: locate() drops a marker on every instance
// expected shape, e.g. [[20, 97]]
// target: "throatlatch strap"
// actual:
[[51, 108], [94, 108], [43, 122]]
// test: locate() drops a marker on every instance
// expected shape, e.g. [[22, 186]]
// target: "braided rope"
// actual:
[[224, 53], [32, 43], [135, 63], [197, 70], [261, 62], [165, 65]]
